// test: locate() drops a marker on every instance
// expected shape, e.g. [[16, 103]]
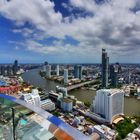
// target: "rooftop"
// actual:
[[67, 100], [111, 91]]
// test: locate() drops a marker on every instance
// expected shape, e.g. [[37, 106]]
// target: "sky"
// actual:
[[69, 31]]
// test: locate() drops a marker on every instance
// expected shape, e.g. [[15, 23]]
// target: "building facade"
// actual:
[[109, 103], [57, 70], [65, 76], [114, 75], [78, 71], [48, 71], [67, 104], [105, 63], [47, 105]]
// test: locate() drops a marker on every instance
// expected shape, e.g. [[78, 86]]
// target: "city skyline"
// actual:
[[67, 32]]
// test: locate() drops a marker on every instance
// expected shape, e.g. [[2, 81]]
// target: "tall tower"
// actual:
[[114, 69], [15, 67], [65, 76], [48, 71], [78, 72], [57, 70], [105, 63]]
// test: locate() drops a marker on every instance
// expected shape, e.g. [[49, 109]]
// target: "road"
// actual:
[[79, 85]]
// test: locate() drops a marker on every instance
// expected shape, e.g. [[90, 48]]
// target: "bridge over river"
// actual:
[[69, 88]]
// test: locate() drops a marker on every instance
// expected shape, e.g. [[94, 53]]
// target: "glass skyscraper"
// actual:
[[105, 63]]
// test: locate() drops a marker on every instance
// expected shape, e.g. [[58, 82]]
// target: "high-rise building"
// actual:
[[109, 103], [114, 75], [78, 71], [2, 70], [9, 71], [129, 77], [44, 68], [57, 70], [48, 71], [15, 67], [105, 63], [45, 63], [65, 76]]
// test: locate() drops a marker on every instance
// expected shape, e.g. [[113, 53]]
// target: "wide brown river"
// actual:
[[131, 105]]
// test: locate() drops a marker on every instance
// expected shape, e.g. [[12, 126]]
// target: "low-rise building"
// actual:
[[105, 132], [132, 136], [32, 98], [137, 131], [47, 105], [66, 104], [76, 121], [55, 96]]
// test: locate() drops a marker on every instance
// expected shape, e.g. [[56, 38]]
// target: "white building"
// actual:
[[109, 103], [44, 68], [35, 96], [65, 76], [57, 70], [62, 90], [27, 98], [32, 98], [132, 136], [55, 96], [67, 104], [48, 70], [137, 131], [47, 105], [105, 132]]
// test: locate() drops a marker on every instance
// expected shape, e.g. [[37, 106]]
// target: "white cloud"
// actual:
[[112, 25], [88, 5], [39, 13], [26, 32]]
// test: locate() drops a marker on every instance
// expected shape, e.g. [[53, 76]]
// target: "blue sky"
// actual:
[[69, 31]]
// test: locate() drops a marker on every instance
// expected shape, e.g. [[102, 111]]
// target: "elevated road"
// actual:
[[79, 85]]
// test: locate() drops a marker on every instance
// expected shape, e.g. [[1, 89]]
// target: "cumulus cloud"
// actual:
[[88, 5], [39, 13], [113, 24]]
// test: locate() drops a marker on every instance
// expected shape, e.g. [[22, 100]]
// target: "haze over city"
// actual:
[[72, 31]]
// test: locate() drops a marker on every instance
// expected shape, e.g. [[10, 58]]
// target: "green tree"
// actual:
[[87, 103]]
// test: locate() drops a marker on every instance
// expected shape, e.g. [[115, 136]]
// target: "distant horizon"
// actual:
[[69, 63]]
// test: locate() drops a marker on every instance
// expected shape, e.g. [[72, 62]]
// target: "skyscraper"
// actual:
[[15, 67], [48, 71], [105, 63], [57, 70], [65, 76], [2, 70], [78, 71], [114, 75], [45, 63], [9, 70], [45, 66], [109, 103], [129, 77]]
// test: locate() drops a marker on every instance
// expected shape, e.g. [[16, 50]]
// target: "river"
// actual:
[[131, 105]]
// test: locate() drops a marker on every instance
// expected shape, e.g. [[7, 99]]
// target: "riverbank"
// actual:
[[131, 105]]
